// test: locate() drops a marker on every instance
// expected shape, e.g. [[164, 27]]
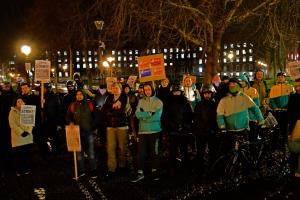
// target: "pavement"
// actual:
[[53, 179]]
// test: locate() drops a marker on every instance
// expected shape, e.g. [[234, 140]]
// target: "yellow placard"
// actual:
[[151, 68], [73, 138]]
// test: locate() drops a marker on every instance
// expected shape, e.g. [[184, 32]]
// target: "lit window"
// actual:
[[119, 58], [90, 59], [165, 56], [224, 60], [165, 64], [66, 60], [96, 65], [245, 44], [231, 46], [59, 74], [200, 48], [225, 46], [130, 52], [65, 53], [153, 50], [90, 65], [250, 58], [124, 51], [244, 58], [188, 55], [171, 56], [83, 59], [119, 64], [224, 53], [177, 56], [59, 65], [238, 73], [96, 60], [177, 50], [237, 52], [200, 61], [77, 59], [171, 50], [194, 55], [136, 52], [59, 60], [182, 55], [200, 69], [124, 58], [89, 53], [84, 65], [165, 50], [58, 53], [77, 53], [130, 57], [113, 52], [130, 65], [119, 52], [78, 66], [244, 51], [237, 59], [136, 65], [66, 74], [238, 45], [95, 53], [250, 51], [171, 64]]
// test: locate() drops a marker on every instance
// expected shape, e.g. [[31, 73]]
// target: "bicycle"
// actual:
[[246, 160]]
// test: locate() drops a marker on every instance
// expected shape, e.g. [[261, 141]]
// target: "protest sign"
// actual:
[[293, 69], [42, 70], [151, 68], [73, 138], [131, 81], [27, 115], [109, 82]]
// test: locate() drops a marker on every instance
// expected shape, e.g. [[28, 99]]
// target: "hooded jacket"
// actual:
[[233, 112], [148, 111]]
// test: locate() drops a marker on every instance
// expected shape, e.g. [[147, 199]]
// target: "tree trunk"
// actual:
[[212, 65]]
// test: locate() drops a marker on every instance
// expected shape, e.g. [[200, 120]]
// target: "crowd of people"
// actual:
[[170, 120]]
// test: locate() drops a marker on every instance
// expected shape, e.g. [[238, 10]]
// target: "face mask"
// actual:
[[234, 90]]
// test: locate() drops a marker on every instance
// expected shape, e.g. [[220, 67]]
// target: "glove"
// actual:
[[24, 134]]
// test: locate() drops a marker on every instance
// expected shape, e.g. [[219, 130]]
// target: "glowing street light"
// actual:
[[25, 49]]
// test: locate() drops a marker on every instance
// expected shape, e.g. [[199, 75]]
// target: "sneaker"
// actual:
[[140, 176], [93, 174]]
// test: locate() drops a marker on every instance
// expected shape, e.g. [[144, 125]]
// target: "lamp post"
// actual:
[[26, 50], [101, 46]]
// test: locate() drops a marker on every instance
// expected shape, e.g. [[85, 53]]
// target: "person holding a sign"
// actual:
[[293, 113], [81, 112], [21, 139]]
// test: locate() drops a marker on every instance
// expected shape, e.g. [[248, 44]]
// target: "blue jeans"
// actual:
[[88, 147]]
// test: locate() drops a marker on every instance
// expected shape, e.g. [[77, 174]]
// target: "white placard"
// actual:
[[42, 70], [27, 115]]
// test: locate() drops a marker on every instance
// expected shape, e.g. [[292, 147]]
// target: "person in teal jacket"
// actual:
[[148, 112], [233, 113], [279, 98]]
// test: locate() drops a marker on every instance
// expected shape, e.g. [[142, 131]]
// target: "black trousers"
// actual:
[[22, 158]]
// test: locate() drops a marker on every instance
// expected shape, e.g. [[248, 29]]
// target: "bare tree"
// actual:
[[183, 23]]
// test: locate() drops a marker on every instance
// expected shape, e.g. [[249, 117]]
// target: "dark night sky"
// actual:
[[12, 13]]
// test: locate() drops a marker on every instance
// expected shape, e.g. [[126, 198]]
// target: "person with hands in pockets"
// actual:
[[21, 139], [148, 112]]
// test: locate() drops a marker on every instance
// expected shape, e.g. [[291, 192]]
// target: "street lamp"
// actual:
[[26, 50], [101, 46]]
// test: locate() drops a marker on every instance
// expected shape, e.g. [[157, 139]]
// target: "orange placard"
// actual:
[[73, 138], [151, 68]]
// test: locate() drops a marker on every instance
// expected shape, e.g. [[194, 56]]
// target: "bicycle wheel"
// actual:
[[227, 169]]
